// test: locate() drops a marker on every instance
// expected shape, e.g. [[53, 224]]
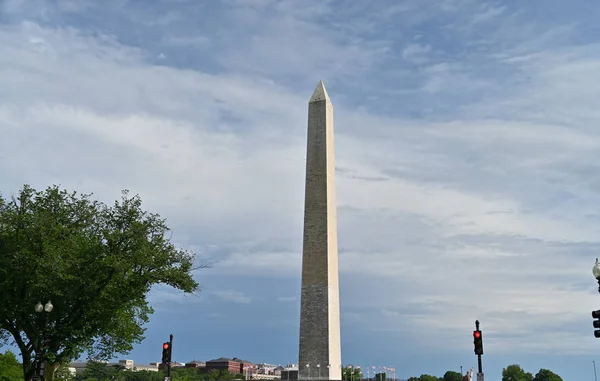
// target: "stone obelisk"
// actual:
[[320, 347]]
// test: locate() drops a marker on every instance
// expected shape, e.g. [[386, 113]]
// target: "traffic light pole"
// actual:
[[171, 352], [596, 314], [479, 366], [479, 351]]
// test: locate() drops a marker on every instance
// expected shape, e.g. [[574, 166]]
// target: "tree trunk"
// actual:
[[28, 371], [50, 370]]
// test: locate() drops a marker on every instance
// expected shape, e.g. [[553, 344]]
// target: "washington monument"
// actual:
[[320, 348]]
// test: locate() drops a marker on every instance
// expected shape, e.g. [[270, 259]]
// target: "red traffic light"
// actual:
[[476, 334], [166, 346]]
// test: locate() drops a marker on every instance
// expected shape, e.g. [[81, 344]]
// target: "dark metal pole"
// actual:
[[38, 349], [44, 337], [170, 349], [36, 374], [479, 367]]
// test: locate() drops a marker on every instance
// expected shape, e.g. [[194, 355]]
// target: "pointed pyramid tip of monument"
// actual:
[[320, 94]]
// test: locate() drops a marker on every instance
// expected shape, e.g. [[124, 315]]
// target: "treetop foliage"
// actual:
[[96, 263], [510, 373], [10, 369]]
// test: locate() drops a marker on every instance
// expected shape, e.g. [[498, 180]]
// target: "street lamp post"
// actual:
[[596, 272], [596, 314], [40, 309]]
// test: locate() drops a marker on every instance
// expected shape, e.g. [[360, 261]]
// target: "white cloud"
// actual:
[[489, 12], [416, 53], [233, 296], [186, 40], [162, 295], [287, 299], [484, 210]]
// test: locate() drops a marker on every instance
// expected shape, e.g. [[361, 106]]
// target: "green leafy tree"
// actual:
[[96, 263], [143, 375], [10, 369], [427, 377], [452, 376], [224, 375], [183, 374], [100, 371], [547, 375], [515, 373], [194, 374], [351, 374], [62, 373], [414, 379]]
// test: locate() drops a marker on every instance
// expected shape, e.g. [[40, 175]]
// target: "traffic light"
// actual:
[[166, 353], [596, 316], [46, 347], [478, 342]]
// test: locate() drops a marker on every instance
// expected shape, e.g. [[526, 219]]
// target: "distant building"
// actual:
[[79, 367], [163, 366], [72, 371], [277, 371], [129, 364], [265, 368], [289, 373], [224, 363], [246, 367], [265, 377], [269, 369], [195, 364]]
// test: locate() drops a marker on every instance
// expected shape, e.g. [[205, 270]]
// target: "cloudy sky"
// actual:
[[467, 150]]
